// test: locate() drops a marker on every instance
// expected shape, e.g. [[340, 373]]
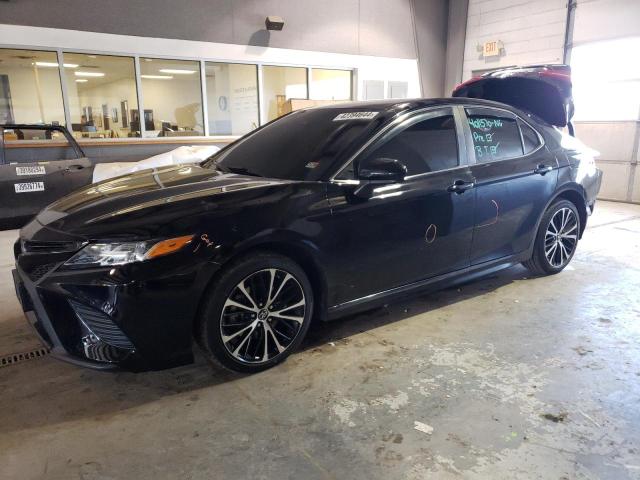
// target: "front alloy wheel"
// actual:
[[262, 316], [256, 313]]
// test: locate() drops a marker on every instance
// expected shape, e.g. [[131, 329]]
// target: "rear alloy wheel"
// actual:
[[561, 237], [556, 240], [260, 312]]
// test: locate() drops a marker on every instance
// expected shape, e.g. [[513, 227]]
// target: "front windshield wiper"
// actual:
[[238, 170]]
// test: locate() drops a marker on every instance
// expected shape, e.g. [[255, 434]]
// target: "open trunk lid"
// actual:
[[544, 90]]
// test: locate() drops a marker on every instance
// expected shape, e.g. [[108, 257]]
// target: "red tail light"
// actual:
[[559, 75]]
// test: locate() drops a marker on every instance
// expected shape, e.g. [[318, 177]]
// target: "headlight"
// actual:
[[120, 253]]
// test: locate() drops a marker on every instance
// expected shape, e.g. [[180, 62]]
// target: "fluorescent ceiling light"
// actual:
[[81, 80], [157, 77], [54, 64], [177, 71], [88, 74]]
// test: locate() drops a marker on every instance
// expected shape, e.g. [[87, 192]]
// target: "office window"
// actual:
[[281, 84], [426, 146], [330, 84], [102, 93], [232, 98], [172, 98], [30, 90], [495, 136]]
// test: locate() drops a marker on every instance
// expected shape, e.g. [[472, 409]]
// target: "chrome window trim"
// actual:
[[419, 175], [473, 160], [396, 123]]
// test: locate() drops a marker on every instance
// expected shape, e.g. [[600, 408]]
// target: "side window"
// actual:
[[495, 135], [530, 138], [424, 146]]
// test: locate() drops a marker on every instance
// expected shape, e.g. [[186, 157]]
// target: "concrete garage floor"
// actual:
[[512, 377]]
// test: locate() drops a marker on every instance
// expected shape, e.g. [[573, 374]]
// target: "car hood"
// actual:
[[136, 195], [544, 90]]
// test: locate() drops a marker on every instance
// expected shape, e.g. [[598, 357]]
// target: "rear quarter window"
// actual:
[[530, 139]]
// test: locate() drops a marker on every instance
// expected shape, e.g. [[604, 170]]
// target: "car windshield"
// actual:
[[298, 146]]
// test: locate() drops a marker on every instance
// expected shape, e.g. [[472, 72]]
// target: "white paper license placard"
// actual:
[[29, 187], [355, 116], [31, 170]]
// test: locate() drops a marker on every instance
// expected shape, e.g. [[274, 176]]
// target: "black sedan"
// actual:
[[319, 214]]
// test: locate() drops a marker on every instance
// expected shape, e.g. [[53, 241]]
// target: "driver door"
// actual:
[[411, 230]]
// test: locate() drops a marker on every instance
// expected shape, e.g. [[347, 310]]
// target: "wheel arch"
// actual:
[[574, 194], [300, 254]]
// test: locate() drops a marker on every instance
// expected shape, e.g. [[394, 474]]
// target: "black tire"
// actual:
[[227, 311], [540, 263]]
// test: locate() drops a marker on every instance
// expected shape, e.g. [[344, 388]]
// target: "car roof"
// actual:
[[409, 104]]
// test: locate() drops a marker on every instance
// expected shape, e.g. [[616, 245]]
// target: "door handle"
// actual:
[[74, 168], [542, 169], [460, 186]]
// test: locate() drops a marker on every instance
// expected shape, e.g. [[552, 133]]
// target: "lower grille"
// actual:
[[32, 246], [41, 270], [101, 326]]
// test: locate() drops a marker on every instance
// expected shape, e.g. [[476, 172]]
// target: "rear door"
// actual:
[[37, 166], [515, 177]]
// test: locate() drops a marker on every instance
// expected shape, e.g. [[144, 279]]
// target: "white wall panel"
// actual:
[[635, 196], [606, 19], [615, 180], [614, 140], [531, 31], [606, 79]]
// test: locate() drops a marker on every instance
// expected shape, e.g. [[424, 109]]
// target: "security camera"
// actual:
[[274, 22]]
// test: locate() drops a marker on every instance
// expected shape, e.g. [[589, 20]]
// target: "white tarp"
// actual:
[[178, 156]]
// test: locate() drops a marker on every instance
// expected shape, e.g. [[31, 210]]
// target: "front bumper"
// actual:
[[131, 318], [37, 317]]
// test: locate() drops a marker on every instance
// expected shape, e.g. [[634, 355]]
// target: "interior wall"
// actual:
[[605, 63], [361, 27], [456, 35], [531, 32], [431, 18]]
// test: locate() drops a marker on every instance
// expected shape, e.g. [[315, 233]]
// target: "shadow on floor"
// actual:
[[48, 392]]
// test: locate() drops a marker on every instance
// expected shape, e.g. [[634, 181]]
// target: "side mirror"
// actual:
[[382, 170], [378, 171]]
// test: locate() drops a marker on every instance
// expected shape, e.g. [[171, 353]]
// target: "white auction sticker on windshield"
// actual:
[[355, 116]]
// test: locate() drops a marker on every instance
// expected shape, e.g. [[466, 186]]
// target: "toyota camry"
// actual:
[[314, 216]]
